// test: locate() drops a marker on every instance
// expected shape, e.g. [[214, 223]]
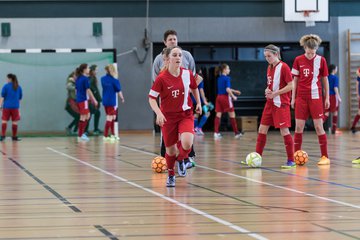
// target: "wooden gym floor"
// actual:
[[56, 188]]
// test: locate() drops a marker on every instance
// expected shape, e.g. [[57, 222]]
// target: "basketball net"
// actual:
[[309, 21]]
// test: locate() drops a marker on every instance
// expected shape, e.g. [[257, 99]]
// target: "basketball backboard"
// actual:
[[302, 10]]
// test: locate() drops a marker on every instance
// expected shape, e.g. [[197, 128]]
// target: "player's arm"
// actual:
[[294, 87], [325, 83], [198, 79], [1, 102], [195, 93], [236, 92], [231, 94], [357, 89], [91, 95], [285, 89], [160, 118], [121, 96], [203, 97]]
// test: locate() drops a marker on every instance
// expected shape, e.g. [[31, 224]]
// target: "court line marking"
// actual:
[[261, 182], [180, 204]]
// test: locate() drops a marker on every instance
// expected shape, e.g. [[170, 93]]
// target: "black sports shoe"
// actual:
[[181, 168], [353, 130], [170, 182], [189, 162], [16, 138], [2, 138]]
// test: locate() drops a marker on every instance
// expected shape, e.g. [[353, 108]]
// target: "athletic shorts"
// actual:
[[224, 103], [84, 107], [279, 117], [334, 104], [12, 113], [110, 110], [305, 107], [177, 123]]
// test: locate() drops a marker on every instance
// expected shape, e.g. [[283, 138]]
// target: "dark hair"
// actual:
[[220, 69], [332, 67], [14, 80], [80, 70], [169, 32]]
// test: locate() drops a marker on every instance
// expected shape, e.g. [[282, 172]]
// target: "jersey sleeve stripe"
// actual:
[[295, 72], [153, 94]]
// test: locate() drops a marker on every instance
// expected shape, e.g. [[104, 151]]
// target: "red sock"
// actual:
[[356, 119], [216, 124], [14, 130], [297, 141], [82, 126], [334, 123], [260, 143], [234, 125], [323, 145], [112, 126], [107, 127], [289, 146], [170, 162], [3, 129], [182, 152]]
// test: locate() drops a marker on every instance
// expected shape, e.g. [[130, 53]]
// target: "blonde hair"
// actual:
[[311, 41], [110, 69], [273, 49]]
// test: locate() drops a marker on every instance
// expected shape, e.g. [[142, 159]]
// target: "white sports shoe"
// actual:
[[217, 136]]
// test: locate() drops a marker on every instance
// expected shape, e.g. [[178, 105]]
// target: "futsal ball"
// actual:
[[159, 164], [300, 157], [253, 160]]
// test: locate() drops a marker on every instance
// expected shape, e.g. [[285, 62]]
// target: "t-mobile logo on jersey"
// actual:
[[306, 72], [175, 93]]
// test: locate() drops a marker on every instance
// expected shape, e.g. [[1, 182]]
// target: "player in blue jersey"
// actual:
[[11, 94], [335, 98], [83, 93], [224, 100], [111, 88]]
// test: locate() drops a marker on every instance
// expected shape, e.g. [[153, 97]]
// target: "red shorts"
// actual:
[[110, 110], [84, 107], [224, 103], [177, 123], [305, 107], [8, 113], [334, 104], [279, 117]]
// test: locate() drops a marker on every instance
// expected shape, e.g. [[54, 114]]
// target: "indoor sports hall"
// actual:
[[55, 184]]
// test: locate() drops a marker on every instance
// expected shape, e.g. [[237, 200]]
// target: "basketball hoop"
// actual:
[[308, 17]]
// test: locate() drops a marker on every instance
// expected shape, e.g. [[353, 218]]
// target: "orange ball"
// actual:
[[300, 157], [158, 164]]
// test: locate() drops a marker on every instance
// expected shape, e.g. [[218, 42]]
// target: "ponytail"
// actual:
[[220, 69], [80, 70], [14, 80]]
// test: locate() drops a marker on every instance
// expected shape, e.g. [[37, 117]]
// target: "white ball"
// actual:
[[253, 160]]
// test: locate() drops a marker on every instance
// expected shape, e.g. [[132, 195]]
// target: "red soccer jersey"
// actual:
[[277, 78], [309, 72], [174, 91]]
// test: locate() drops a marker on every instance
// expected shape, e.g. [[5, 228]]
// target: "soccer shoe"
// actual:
[[106, 139], [238, 135], [189, 162], [181, 168], [170, 182], [217, 136], [356, 161], [353, 130], [324, 161], [83, 138], [16, 138], [289, 165], [114, 138]]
